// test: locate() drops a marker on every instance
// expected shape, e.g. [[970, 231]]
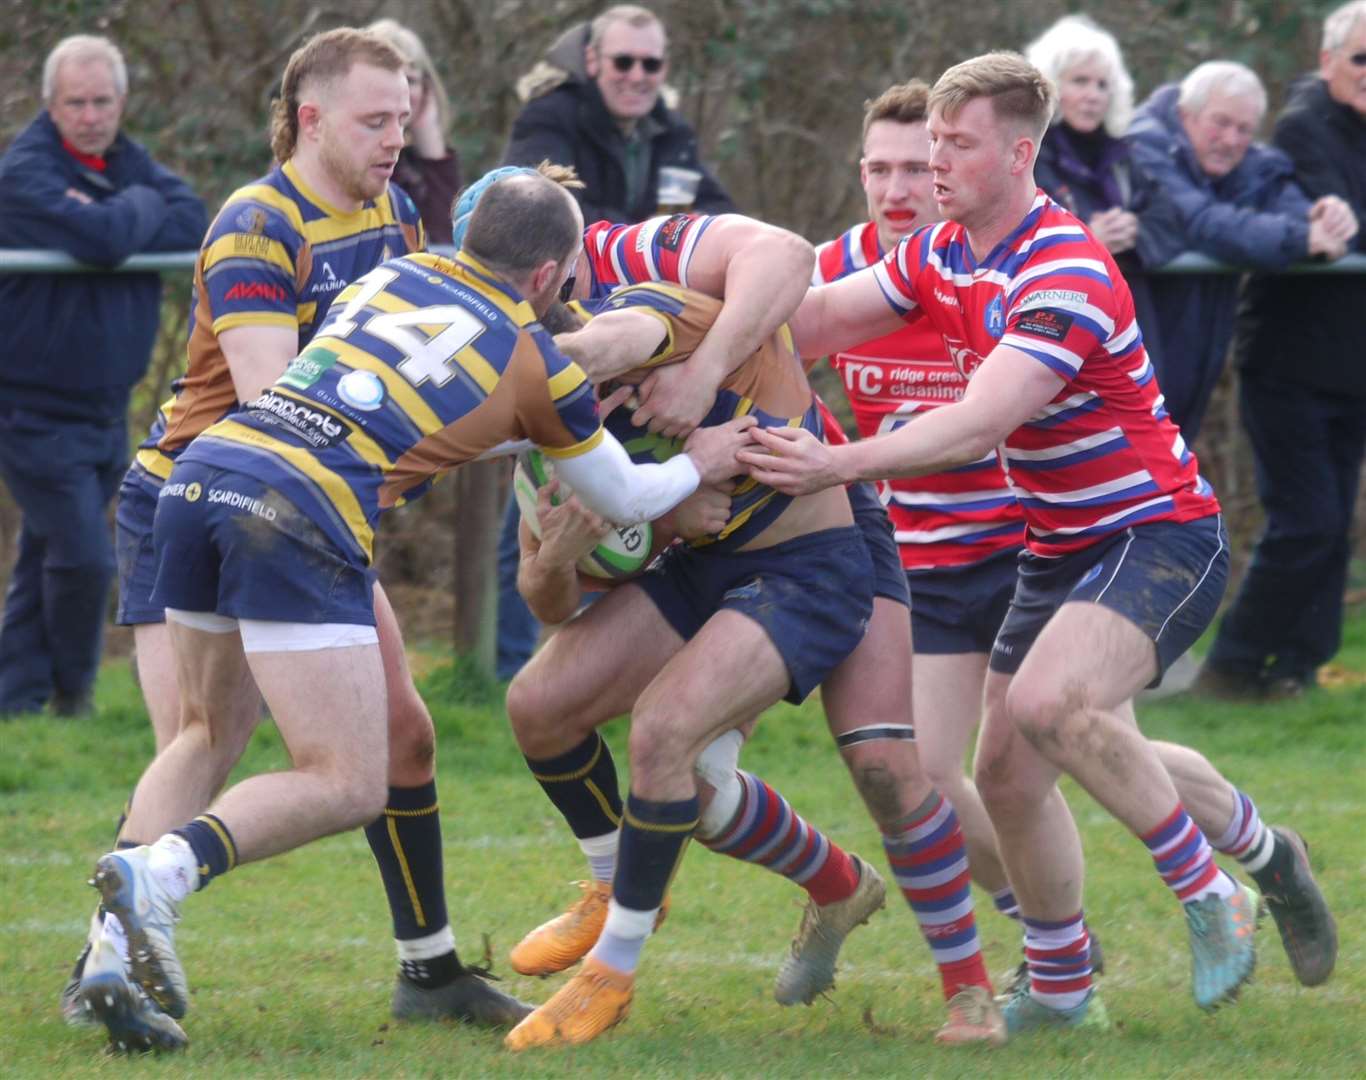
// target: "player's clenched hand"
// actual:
[[568, 530], [792, 460], [702, 513], [713, 449], [674, 399]]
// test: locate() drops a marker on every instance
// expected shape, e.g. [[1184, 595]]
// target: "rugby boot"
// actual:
[[1024, 1014], [1223, 951], [148, 913], [974, 1017], [75, 1012], [134, 1021], [468, 998], [565, 940], [809, 968], [1307, 928], [595, 1000]]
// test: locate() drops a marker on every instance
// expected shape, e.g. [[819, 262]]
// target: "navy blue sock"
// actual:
[[653, 838], [406, 842], [213, 847], [582, 784]]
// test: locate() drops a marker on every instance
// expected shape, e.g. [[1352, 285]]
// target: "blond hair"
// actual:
[[415, 54], [324, 58], [1073, 40], [904, 103], [1020, 93]]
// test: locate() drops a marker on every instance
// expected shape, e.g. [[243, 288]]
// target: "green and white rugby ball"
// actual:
[[624, 551]]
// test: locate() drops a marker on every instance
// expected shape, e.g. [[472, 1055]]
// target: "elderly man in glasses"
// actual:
[[1299, 346], [597, 102]]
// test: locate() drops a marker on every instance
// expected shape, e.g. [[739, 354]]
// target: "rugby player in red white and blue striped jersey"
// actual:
[[1126, 554]]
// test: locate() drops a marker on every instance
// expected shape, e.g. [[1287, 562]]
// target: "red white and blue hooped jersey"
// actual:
[[1103, 454], [659, 249], [953, 518]]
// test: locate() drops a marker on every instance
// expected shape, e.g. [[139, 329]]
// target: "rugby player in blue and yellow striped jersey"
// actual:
[[278, 253], [263, 531]]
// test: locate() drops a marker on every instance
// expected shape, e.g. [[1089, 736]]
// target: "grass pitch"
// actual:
[[290, 961]]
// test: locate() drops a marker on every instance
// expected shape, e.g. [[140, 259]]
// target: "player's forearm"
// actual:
[[942, 439], [611, 485], [550, 587], [762, 288]]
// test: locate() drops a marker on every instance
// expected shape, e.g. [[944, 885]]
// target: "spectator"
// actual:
[[1237, 202], [75, 344], [1085, 165], [1301, 350], [428, 168], [596, 103]]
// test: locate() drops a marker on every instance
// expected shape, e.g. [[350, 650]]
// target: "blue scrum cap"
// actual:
[[469, 199]]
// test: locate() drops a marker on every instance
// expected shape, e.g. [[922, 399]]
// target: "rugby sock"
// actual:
[[1246, 838], [601, 852], [1185, 860], [930, 862], [406, 843], [1006, 904], [214, 850], [654, 836], [623, 937], [1059, 958], [766, 830], [582, 783]]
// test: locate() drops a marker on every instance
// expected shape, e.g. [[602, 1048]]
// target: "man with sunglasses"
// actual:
[[600, 109], [1298, 345], [595, 102]]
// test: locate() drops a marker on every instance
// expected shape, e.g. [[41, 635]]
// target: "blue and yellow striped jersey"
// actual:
[[422, 364], [770, 385], [277, 254]]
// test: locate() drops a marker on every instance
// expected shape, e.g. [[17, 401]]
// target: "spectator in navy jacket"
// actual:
[[75, 344], [1237, 202], [597, 103], [1301, 353]]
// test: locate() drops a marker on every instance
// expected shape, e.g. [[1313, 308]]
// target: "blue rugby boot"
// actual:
[[148, 913], [75, 1013], [1024, 1014], [1223, 952], [134, 1021]]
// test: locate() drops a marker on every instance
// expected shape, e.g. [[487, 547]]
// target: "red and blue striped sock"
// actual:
[[1185, 860], [930, 863], [768, 832], [1059, 958]]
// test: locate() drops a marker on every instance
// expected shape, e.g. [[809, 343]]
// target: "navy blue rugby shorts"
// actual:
[[810, 594]]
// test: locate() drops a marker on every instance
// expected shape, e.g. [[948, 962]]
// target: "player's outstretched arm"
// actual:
[[1004, 392], [610, 484], [843, 314], [762, 273]]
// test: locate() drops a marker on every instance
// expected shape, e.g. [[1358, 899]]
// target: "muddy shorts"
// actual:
[[1166, 578]]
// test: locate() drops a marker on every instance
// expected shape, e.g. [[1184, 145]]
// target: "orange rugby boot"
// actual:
[[565, 940], [595, 1000]]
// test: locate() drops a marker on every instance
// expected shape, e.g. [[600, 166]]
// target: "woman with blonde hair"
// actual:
[[1084, 163], [428, 168]]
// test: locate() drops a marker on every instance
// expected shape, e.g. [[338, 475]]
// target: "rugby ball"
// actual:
[[624, 551]]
